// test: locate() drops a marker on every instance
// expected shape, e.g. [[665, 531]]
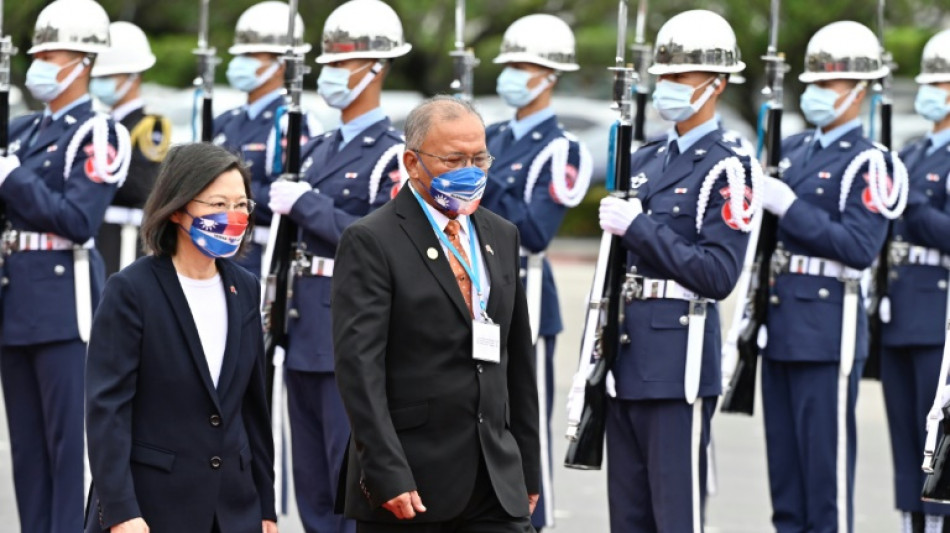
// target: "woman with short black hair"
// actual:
[[176, 415]]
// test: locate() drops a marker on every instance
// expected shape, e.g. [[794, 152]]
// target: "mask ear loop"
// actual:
[[707, 94], [126, 86], [77, 70], [267, 74], [852, 94], [376, 68]]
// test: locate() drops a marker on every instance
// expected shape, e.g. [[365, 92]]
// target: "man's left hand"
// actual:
[[269, 526], [532, 502], [284, 194]]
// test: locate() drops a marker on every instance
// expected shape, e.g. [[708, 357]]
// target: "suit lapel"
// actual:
[[232, 348], [486, 242], [682, 165], [422, 235], [168, 280]]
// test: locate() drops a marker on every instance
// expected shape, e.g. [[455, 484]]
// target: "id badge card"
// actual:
[[486, 341]]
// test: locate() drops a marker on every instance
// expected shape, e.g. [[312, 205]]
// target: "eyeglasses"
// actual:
[[220, 206], [482, 161]]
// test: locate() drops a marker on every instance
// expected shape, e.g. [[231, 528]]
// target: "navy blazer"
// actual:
[[918, 293], [804, 321], [665, 243], [164, 444]]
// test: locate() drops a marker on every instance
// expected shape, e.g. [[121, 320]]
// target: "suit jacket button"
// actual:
[[293, 313], [684, 320], [480, 368], [4, 281], [215, 420], [942, 284], [215, 462], [480, 418], [823, 292], [59, 270], [774, 299]]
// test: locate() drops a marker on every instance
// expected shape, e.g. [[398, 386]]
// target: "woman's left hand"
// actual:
[[269, 526]]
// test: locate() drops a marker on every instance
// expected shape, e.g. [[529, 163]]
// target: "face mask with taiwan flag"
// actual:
[[218, 234]]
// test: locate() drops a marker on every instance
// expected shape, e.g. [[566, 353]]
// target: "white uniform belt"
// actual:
[[812, 266], [311, 265], [901, 253], [650, 288], [22, 241], [261, 234], [116, 214]]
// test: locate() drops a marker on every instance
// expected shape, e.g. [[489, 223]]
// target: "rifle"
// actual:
[[204, 82], [463, 59], [742, 344], [936, 453], [872, 368], [601, 340], [6, 51]]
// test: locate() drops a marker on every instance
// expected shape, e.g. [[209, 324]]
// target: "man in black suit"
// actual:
[[433, 349]]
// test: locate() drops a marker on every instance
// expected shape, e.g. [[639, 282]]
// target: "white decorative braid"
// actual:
[[888, 198], [735, 177], [376, 175], [98, 125], [557, 152]]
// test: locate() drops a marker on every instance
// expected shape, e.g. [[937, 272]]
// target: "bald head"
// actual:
[[441, 108]]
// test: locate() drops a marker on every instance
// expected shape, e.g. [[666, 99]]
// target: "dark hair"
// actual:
[[186, 171]]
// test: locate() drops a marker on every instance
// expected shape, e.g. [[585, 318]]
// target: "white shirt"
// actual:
[[206, 299], [441, 221]]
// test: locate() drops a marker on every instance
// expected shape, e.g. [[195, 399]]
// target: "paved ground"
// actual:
[[742, 502]]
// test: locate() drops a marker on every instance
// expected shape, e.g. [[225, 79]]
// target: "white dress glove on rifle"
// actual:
[[616, 214], [778, 196], [7, 165], [284, 194]]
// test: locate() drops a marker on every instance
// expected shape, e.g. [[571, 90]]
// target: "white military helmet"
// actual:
[[539, 39], [77, 25], [128, 52], [263, 28], [843, 50], [935, 62], [696, 41], [362, 29]]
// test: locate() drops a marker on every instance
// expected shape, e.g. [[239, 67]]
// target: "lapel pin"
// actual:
[[432, 253], [233, 290], [489, 250]]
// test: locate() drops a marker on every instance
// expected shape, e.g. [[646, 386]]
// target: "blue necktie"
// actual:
[[671, 153]]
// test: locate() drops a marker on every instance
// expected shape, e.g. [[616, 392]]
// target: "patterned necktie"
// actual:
[[461, 276]]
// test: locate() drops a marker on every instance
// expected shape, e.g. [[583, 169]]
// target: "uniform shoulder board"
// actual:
[[395, 134]]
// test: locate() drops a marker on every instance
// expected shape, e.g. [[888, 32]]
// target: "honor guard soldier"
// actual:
[[257, 130], [685, 230], [918, 265], [63, 168], [838, 192], [347, 173], [539, 172], [117, 83]]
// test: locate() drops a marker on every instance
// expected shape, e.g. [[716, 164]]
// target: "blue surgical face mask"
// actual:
[[41, 78], [818, 104], [673, 101], [242, 73], [218, 234], [108, 90], [512, 87], [931, 103], [458, 191], [334, 84]]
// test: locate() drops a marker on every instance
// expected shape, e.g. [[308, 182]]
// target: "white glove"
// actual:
[[284, 194], [778, 196], [616, 214], [7, 165]]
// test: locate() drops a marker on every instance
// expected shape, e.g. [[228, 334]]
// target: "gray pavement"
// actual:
[[741, 504]]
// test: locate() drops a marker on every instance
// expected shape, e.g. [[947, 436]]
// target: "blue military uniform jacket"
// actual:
[[918, 293], [664, 243], [342, 193], [253, 140], [804, 321], [539, 219], [39, 286]]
